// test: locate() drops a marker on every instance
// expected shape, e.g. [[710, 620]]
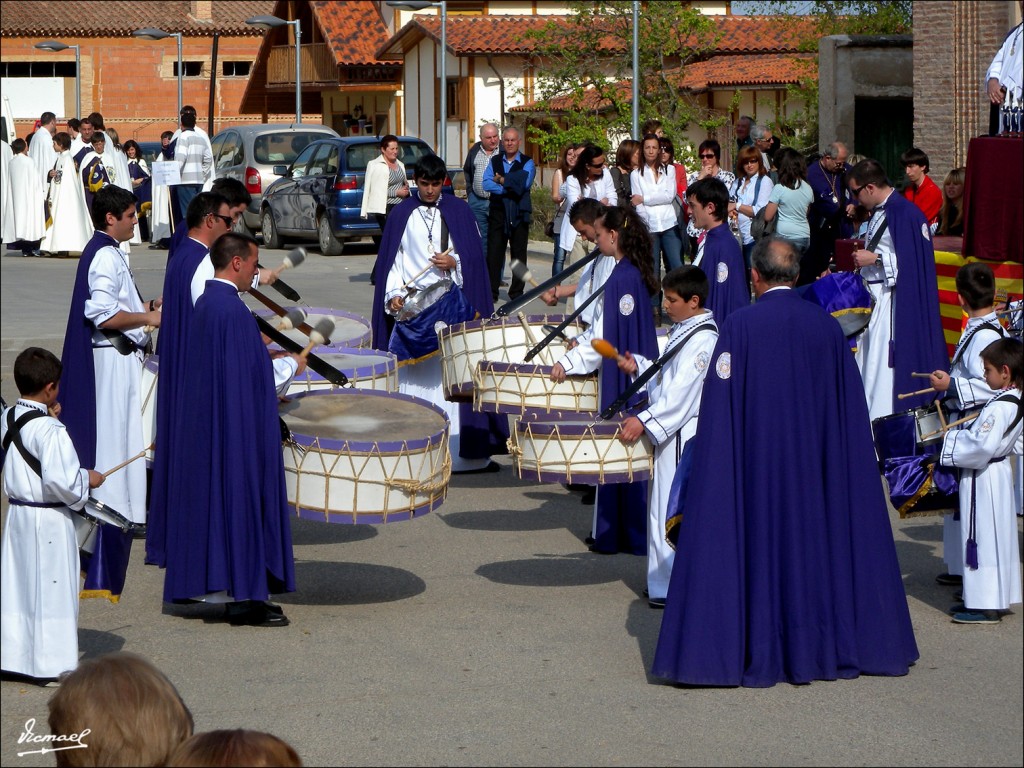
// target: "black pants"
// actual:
[[497, 241]]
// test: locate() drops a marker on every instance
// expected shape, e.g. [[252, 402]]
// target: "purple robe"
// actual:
[[786, 569], [482, 434], [919, 343], [627, 325], [230, 529], [727, 273], [172, 386]]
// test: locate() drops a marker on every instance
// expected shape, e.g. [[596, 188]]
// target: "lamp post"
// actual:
[[270, 22], [636, 69], [158, 34], [419, 5], [55, 45]]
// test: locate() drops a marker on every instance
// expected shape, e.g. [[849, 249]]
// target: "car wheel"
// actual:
[[329, 244], [271, 239]]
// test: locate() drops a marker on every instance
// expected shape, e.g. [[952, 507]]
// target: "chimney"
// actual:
[[201, 10]]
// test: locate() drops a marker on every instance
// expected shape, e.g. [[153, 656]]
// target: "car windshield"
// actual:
[[281, 148], [358, 155]]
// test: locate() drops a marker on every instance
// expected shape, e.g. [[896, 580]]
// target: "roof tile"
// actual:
[[354, 30]]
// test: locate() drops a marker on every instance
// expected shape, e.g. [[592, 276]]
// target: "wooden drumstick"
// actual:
[[292, 259], [921, 375], [531, 340], [423, 271], [949, 426], [294, 318], [319, 335], [915, 394], [521, 272], [941, 415], [605, 349], [124, 464]]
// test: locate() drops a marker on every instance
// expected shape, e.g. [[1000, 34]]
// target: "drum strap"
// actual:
[[877, 237], [962, 347], [14, 436]]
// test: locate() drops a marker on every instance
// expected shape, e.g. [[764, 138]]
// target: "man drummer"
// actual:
[[431, 246], [229, 536], [39, 563], [964, 386]]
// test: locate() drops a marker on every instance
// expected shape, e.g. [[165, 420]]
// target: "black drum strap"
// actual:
[[14, 436]]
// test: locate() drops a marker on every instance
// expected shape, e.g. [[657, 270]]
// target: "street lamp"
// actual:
[[636, 69], [54, 45], [419, 5], [270, 22], [159, 34]]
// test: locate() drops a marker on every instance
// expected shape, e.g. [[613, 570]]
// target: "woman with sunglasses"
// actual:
[[710, 154], [588, 178], [751, 191]]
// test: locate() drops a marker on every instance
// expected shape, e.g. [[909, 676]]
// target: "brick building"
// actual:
[[954, 42], [131, 81]]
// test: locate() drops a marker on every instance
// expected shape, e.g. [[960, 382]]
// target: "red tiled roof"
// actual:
[[475, 35], [354, 30], [39, 18], [768, 70]]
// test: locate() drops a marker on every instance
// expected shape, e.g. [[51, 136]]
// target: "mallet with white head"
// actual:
[[319, 335], [294, 318], [292, 259], [521, 272]]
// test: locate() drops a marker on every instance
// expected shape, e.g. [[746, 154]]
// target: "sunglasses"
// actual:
[[707, 157], [855, 191], [228, 221]]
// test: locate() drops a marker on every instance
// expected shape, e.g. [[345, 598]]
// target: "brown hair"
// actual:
[[952, 213], [749, 153], [235, 748], [133, 714]]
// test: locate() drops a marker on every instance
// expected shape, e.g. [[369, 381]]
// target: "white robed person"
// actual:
[[69, 226], [41, 150], [6, 201], [28, 195], [116, 163]]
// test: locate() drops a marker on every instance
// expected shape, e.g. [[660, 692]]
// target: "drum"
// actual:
[[517, 387], [150, 371], [89, 518], [500, 339], [577, 448], [845, 296], [361, 456], [365, 368], [908, 433], [350, 330]]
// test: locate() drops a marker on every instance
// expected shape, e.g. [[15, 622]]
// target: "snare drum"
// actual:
[[501, 339], [364, 456], [577, 448], [150, 372], [845, 296], [517, 387], [350, 330], [908, 433], [89, 518], [365, 369]]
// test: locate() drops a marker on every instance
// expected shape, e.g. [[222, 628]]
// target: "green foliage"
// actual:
[[586, 64]]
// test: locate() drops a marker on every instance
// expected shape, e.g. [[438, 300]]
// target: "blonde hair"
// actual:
[[134, 715], [952, 213], [235, 748]]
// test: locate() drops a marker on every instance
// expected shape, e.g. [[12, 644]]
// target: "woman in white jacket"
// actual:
[[654, 188], [386, 184]]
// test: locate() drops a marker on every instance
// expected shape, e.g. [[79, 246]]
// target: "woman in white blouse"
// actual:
[[588, 178], [751, 191], [654, 188]]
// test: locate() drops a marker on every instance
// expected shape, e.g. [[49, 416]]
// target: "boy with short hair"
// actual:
[[965, 384], [921, 191], [670, 419], [44, 482], [719, 254]]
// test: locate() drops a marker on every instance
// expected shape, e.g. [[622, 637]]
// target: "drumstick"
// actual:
[[292, 319], [423, 271], [914, 394], [605, 349], [941, 415], [319, 335], [949, 426], [531, 340], [521, 272], [921, 375], [124, 464], [291, 260]]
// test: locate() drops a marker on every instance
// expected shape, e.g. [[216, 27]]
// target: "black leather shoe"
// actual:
[[949, 579], [253, 613], [589, 497], [656, 602]]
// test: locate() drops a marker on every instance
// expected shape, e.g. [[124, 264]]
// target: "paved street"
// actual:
[[486, 633]]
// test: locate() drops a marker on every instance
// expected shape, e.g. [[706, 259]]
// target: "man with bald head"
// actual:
[[829, 215], [477, 160]]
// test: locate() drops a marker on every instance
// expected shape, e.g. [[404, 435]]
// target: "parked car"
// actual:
[[249, 153], [150, 151], [319, 196]]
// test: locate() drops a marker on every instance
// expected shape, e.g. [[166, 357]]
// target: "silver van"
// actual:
[[250, 152]]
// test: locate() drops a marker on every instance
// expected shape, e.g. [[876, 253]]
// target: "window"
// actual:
[[457, 96], [37, 69], [236, 68], [191, 69], [230, 151]]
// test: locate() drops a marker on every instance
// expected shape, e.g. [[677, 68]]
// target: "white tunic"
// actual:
[[423, 378], [118, 385], [670, 420], [872, 354], [996, 583], [968, 390], [28, 194], [42, 153], [39, 567], [600, 189], [594, 276], [116, 163], [71, 227], [6, 200]]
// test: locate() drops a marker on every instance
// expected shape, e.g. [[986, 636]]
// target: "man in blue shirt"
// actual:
[[508, 178]]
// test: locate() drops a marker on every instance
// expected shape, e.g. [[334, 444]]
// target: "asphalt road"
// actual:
[[485, 633]]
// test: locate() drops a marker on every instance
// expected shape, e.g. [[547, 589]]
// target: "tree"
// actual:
[[586, 64]]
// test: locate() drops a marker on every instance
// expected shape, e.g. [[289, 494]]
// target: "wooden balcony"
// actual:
[[317, 62]]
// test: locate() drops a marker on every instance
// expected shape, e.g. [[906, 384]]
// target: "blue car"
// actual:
[[319, 195]]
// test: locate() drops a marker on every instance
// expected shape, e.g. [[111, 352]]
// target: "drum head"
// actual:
[[350, 330], [362, 417]]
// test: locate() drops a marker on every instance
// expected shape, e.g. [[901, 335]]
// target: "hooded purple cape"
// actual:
[[172, 389], [482, 434], [918, 343], [230, 529], [786, 568], [727, 274], [105, 570], [628, 325]]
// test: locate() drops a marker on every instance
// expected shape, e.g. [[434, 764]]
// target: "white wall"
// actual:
[[31, 96]]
